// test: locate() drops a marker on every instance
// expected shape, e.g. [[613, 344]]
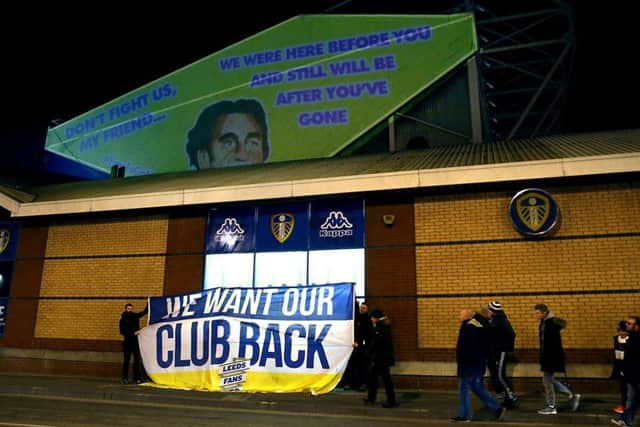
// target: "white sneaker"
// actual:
[[620, 423], [549, 410], [575, 402]]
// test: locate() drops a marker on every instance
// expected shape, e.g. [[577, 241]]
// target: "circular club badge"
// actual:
[[533, 212]]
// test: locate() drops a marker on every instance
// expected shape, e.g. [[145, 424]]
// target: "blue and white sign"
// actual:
[[533, 212], [231, 230], [275, 339], [337, 224]]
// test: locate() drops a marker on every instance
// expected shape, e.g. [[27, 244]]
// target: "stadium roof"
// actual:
[[550, 157]]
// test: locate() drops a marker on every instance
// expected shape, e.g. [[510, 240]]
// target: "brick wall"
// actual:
[[120, 257], [467, 253], [390, 270], [25, 289], [184, 266], [443, 253]]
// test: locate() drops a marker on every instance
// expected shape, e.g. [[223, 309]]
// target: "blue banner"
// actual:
[[337, 224], [283, 228], [6, 271], [231, 230], [277, 339], [8, 240], [316, 302], [4, 304]]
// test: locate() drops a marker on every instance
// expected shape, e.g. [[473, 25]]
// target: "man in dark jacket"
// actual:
[[364, 337], [381, 358], [471, 355], [552, 360], [129, 325], [502, 343], [631, 371]]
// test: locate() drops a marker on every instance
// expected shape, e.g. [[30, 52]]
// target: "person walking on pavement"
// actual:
[[619, 347], [631, 371], [471, 356], [503, 342], [129, 325], [552, 359], [381, 358]]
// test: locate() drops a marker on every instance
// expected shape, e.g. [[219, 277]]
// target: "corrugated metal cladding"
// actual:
[[548, 148], [447, 106]]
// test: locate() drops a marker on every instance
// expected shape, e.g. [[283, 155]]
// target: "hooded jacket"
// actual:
[[551, 351], [631, 366], [503, 337], [382, 345], [473, 346]]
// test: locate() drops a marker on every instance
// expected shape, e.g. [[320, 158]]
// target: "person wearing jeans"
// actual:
[[472, 350]]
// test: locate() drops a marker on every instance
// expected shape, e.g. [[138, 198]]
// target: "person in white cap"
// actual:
[[503, 340]]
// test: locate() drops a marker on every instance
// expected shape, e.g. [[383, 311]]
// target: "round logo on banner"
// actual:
[[533, 212]]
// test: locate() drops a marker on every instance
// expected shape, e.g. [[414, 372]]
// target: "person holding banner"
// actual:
[[381, 359], [229, 133], [364, 337], [129, 326]]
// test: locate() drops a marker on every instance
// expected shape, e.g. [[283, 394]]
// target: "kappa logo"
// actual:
[[282, 226], [229, 231], [533, 212], [5, 238], [336, 224]]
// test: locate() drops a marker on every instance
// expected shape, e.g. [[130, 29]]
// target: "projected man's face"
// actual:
[[237, 140]]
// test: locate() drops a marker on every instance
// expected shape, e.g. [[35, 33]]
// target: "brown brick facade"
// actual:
[[442, 253], [390, 270], [467, 253]]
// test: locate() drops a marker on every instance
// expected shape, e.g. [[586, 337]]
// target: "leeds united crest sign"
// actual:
[[533, 212]]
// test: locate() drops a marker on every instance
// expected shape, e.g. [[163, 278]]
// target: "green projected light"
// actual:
[[306, 88]]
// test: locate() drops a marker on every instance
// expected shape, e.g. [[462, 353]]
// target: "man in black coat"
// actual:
[[552, 360], [502, 343], [631, 371], [472, 350], [364, 338], [129, 325], [381, 357]]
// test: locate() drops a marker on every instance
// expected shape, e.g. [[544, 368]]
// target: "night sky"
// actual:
[[59, 62]]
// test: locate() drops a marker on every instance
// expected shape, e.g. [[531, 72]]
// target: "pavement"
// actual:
[[427, 406]]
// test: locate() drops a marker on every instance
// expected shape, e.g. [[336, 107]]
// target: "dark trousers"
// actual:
[[384, 373], [633, 401], [623, 390], [360, 367], [497, 365], [130, 347]]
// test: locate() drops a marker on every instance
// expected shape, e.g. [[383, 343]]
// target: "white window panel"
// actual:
[[228, 270], [281, 268], [334, 266]]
